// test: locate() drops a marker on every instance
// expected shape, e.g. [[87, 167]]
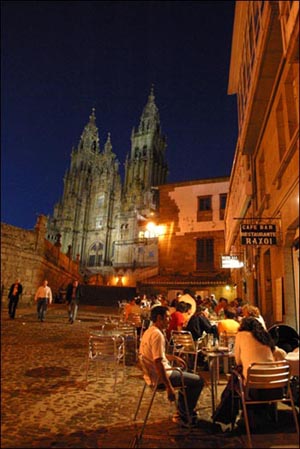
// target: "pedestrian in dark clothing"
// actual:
[[73, 296], [14, 294]]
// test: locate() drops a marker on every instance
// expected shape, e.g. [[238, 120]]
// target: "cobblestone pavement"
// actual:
[[46, 403]]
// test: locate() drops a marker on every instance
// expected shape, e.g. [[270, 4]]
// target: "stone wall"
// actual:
[[27, 255], [178, 215]]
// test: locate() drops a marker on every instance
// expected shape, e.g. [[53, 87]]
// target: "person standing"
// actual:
[[43, 297], [73, 296], [15, 291]]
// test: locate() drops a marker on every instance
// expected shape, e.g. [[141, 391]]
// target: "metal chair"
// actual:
[[183, 344], [129, 333], [152, 380], [265, 376], [106, 349]]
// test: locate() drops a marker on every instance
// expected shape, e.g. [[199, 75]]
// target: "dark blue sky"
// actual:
[[62, 58]]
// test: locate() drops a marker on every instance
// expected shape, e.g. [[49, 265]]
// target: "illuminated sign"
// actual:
[[231, 262], [258, 234]]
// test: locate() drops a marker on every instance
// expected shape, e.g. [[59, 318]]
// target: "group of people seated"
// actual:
[[211, 316], [253, 343]]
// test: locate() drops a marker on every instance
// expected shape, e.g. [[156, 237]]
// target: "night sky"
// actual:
[[59, 59]]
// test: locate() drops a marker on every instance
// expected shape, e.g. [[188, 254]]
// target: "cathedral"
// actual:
[[100, 220]]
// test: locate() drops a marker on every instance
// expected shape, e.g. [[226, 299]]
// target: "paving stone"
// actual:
[[46, 403]]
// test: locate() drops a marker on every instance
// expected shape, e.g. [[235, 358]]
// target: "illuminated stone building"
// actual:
[[191, 239], [263, 199], [137, 233], [97, 220]]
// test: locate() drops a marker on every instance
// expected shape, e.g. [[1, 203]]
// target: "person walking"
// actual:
[[15, 291], [73, 296], [43, 297]]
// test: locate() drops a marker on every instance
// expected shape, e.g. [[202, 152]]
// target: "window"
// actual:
[[95, 255], [205, 254], [280, 129], [252, 30], [223, 198], [261, 188], [204, 203], [204, 208], [291, 95], [100, 201]]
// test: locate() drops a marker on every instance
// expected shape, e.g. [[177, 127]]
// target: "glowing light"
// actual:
[[119, 280], [153, 230]]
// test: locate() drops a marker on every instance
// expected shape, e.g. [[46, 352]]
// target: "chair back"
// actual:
[[265, 376], [135, 319], [183, 341], [268, 375], [127, 329], [106, 347]]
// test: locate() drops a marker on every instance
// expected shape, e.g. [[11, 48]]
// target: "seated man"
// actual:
[[230, 325], [152, 347], [205, 324]]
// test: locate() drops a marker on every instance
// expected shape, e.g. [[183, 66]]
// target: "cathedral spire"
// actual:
[[89, 140], [108, 145], [150, 117]]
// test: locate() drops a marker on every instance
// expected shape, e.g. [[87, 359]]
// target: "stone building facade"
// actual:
[[190, 233], [263, 195], [98, 219]]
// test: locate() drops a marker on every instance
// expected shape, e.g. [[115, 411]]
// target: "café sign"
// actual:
[[258, 234], [231, 262]]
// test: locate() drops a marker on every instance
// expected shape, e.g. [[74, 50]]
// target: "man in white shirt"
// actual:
[[43, 297], [152, 348]]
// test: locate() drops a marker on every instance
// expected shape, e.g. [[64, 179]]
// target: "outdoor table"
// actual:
[[214, 355]]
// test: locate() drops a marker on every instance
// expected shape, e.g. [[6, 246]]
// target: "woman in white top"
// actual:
[[252, 344]]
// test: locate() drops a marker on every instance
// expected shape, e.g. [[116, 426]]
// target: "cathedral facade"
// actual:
[[99, 220]]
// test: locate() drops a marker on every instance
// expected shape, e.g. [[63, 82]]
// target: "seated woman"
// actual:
[[249, 310], [252, 344]]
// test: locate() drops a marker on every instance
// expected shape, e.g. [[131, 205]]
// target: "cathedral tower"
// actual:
[[92, 188], [98, 221], [146, 166]]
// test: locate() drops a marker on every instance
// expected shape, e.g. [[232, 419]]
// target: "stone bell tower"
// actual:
[[146, 166], [92, 190]]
